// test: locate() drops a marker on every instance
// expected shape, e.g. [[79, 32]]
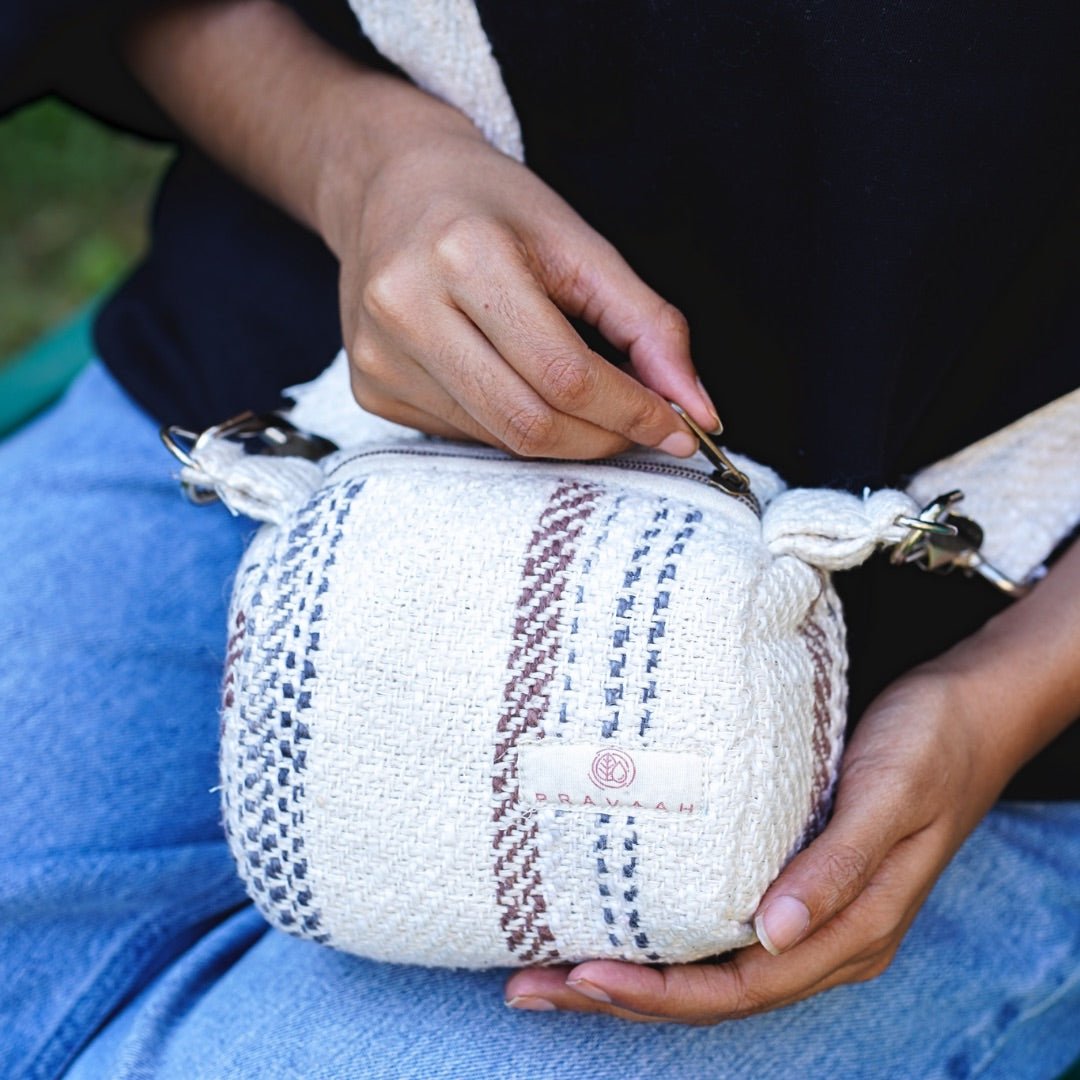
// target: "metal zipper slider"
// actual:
[[724, 471]]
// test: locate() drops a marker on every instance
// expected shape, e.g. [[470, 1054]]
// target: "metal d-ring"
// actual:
[[169, 435], [939, 528], [255, 433]]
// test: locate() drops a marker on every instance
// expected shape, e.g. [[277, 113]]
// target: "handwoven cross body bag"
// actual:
[[484, 712]]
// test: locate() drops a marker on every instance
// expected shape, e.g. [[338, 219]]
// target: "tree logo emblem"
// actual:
[[612, 769]]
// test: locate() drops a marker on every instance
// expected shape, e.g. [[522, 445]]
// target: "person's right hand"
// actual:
[[459, 267]]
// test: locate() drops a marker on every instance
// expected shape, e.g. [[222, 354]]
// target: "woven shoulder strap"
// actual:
[[1022, 484], [442, 47]]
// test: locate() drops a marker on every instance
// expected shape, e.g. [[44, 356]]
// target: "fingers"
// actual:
[[516, 315], [850, 896], [487, 352], [592, 281], [891, 788], [856, 946], [695, 994], [451, 224], [546, 989], [464, 383], [523, 374], [828, 875], [859, 886], [463, 428]]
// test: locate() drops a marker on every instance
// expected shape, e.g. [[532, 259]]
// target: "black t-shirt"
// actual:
[[869, 214]]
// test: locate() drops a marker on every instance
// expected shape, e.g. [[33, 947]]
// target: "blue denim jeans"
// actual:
[[127, 948]]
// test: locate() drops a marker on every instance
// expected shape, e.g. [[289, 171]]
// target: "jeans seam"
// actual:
[[58, 1046], [1031, 1013]]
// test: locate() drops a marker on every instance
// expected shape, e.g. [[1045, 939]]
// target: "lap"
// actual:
[[112, 604], [987, 984], [125, 937]]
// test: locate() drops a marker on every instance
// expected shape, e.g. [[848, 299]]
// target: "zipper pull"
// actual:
[[724, 471]]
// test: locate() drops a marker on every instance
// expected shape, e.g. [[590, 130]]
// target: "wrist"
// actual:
[[1016, 680], [368, 120], [297, 120]]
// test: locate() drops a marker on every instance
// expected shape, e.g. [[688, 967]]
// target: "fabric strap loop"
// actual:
[[260, 487], [834, 530]]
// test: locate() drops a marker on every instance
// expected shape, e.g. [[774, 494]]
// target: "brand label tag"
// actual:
[[600, 779]]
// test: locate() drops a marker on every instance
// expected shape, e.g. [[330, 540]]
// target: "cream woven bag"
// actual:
[[480, 712]]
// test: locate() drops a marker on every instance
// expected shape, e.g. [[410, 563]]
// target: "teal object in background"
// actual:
[[38, 376]]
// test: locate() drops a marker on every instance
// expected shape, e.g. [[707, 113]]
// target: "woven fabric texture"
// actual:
[[408, 630], [419, 619], [441, 44]]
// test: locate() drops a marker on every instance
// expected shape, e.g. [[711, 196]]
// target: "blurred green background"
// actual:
[[74, 202]]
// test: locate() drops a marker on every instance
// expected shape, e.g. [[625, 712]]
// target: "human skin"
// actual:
[[458, 266], [927, 760]]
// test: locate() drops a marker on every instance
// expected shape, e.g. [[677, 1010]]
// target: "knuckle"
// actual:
[[673, 321], [365, 389], [686, 999], [645, 420], [745, 999], [876, 967], [884, 942], [530, 431], [363, 363], [706, 995], [567, 278], [367, 398], [385, 294], [569, 383], [463, 246], [843, 870], [367, 365]]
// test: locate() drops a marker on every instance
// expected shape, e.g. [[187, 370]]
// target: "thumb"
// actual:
[[827, 876], [592, 281]]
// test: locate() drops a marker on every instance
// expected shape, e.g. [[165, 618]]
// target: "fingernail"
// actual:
[[679, 444], [717, 428], [589, 990], [531, 1004], [782, 923]]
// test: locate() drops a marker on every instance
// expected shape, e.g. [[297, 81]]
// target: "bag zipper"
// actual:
[[656, 468], [275, 435]]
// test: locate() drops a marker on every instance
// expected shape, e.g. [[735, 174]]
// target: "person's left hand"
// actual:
[[916, 779]]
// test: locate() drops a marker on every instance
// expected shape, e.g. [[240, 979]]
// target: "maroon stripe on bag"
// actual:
[[526, 699], [234, 653], [817, 646]]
